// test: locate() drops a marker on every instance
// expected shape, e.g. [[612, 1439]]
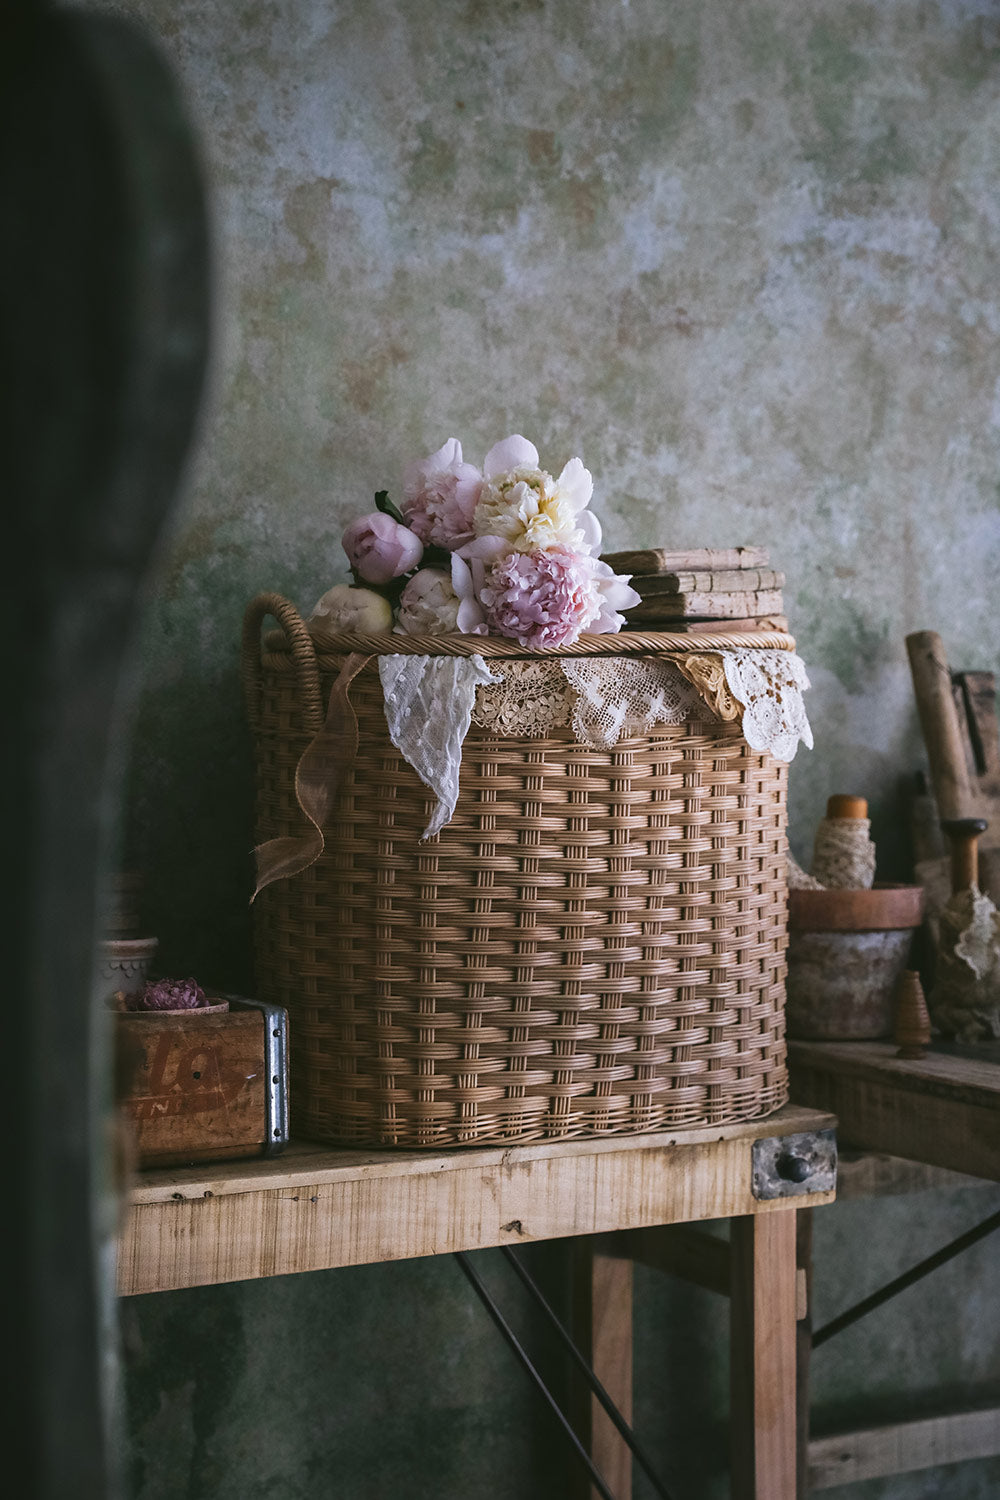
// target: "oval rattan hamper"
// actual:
[[594, 944]]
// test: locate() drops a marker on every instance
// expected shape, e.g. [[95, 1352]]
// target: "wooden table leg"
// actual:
[[803, 1349], [762, 1357], [602, 1327]]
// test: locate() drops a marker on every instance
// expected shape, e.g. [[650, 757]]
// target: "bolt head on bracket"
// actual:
[[788, 1165]]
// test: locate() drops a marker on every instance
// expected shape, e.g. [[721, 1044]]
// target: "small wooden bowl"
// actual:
[[191, 1011]]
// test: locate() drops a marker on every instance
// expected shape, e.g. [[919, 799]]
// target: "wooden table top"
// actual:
[[316, 1207]]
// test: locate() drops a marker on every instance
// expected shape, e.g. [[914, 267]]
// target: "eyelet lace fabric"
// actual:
[[431, 701], [428, 707]]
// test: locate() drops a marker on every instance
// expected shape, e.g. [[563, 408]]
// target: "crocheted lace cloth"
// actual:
[[602, 700], [964, 1001], [430, 702], [769, 685]]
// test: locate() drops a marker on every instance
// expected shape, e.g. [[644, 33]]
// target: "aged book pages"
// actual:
[[661, 560], [719, 581], [721, 606]]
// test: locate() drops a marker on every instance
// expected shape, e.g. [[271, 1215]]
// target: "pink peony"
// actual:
[[379, 549], [440, 494], [548, 598], [469, 566]]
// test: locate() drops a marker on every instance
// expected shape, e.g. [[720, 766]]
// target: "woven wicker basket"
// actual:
[[594, 944]]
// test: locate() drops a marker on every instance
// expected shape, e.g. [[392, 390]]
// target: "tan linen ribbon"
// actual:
[[317, 777]]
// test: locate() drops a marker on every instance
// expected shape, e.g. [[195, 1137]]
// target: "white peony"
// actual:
[[528, 508], [428, 605]]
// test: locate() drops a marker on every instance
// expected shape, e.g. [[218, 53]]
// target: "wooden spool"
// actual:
[[911, 1022]]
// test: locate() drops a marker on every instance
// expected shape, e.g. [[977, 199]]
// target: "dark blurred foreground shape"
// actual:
[[104, 322]]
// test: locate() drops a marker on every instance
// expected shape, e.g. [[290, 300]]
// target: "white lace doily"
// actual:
[[430, 702], [769, 685]]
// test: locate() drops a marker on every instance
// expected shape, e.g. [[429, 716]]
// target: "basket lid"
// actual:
[[621, 643]]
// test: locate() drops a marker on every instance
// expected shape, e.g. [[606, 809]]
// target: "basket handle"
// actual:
[[303, 659]]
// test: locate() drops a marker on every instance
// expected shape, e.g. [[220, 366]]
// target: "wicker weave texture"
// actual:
[[595, 944]]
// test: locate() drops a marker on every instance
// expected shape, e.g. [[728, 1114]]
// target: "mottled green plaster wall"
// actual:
[[742, 258]]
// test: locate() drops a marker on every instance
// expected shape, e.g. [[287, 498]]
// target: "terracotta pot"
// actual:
[[846, 953], [882, 908]]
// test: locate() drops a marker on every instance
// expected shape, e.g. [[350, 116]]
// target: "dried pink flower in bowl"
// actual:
[[172, 994]]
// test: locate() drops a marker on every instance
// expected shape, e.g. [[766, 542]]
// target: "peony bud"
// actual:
[[352, 609], [380, 549]]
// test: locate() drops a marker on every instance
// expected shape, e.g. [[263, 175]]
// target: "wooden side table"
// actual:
[[941, 1111], [316, 1208]]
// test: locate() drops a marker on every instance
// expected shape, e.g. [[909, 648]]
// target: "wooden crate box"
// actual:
[[210, 1086]]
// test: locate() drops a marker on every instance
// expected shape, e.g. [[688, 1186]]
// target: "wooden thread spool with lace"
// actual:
[[843, 852]]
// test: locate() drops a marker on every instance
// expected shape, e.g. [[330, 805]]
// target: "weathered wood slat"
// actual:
[[602, 1327], [763, 1357], [876, 1174], [903, 1447], [976, 699], [682, 1251]]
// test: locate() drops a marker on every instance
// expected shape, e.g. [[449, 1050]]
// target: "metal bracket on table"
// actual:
[[276, 1062], [785, 1166]]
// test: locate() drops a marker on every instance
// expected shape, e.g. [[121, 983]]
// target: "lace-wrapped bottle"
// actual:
[[843, 852]]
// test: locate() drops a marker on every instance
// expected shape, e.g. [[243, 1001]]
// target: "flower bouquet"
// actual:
[[507, 551]]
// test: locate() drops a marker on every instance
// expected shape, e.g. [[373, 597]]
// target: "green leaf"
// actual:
[[385, 505]]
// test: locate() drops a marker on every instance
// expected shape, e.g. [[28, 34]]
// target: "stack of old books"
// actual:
[[703, 589]]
